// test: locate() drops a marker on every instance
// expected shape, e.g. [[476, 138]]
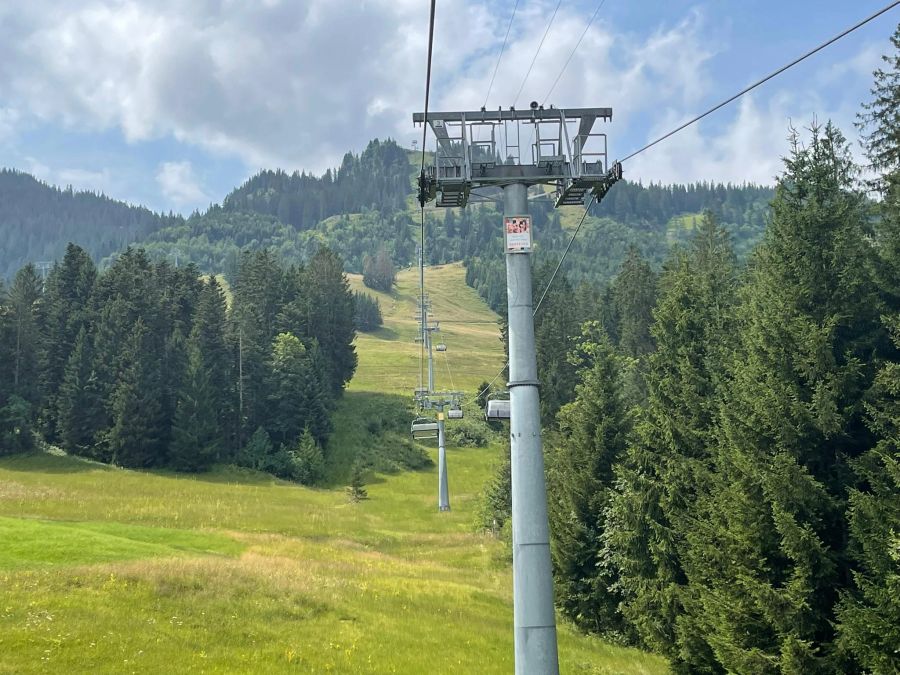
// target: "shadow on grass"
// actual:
[[39, 461]]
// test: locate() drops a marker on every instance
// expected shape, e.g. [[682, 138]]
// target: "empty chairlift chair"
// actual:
[[441, 347], [424, 428], [455, 414], [497, 409]]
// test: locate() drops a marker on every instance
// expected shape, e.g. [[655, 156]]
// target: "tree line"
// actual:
[[151, 365], [723, 444]]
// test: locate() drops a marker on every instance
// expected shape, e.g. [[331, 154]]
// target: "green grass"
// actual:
[[389, 358], [104, 570]]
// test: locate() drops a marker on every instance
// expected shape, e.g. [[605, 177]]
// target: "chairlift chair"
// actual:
[[497, 409], [424, 428], [441, 347], [455, 414]]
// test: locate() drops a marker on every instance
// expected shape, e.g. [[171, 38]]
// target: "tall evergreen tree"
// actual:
[[24, 305], [137, 438], [870, 612], [64, 313], [766, 553], [555, 329], [81, 411], [669, 459], [595, 428], [329, 316], [196, 434]]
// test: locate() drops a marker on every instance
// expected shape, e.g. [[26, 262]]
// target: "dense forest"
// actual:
[[148, 365], [723, 439], [37, 220], [362, 210]]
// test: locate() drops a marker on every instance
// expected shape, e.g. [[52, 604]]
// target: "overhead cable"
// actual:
[[765, 79], [502, 48], [574, 49], [549, 24]]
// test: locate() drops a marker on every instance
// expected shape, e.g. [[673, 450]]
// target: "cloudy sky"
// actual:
[[171, 103]]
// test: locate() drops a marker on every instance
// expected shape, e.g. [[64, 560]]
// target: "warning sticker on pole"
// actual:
[[518, 234]]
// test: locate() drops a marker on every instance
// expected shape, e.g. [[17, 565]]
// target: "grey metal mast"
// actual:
[[426, 396], [568, 154]]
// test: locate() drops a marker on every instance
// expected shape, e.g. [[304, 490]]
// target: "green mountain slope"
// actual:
[[235, 571]]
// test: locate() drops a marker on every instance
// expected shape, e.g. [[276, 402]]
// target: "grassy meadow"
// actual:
[[104, 570]]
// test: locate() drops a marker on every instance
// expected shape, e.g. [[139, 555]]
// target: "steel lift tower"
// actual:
[[426, 398], [485, 149]]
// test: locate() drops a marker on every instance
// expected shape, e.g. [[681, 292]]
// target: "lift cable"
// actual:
[[689, 123], [549, 24], [422, 194], [765, 79], [575, 49], [449, 373], [502, 48]]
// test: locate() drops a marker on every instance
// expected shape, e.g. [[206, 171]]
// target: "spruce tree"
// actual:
[[765, 555], [595, 427], [555, 328], [64, 313], [137, 438], [196, 434], [870, 611], [80, 410], [669, 459]]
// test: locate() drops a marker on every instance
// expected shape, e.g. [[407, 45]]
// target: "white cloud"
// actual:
[[180, 185], [296, 84]]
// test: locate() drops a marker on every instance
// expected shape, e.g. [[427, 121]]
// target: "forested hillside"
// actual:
[[146, 365], [38, 220]]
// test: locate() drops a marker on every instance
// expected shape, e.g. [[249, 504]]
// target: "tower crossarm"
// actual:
[[561, 148]]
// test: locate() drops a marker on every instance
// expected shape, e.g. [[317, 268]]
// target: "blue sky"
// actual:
[[171, 104]]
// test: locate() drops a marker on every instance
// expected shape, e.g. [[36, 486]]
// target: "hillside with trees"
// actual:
[[38, 220], [146, 365]]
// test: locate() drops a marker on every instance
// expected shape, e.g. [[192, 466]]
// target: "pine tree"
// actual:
[[255, 454], [669, 460], [24, 305], [765, 554], [196, 434], [295, 392], [64, 313], [595, 428], [555, 328], [137, 438], [208, 337], [356, 491], [879, 122], [329, 317], [80, 409], [309, 462], [870, 612]]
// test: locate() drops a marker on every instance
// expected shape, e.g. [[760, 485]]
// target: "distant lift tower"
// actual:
[[484, 149], [427, 399]]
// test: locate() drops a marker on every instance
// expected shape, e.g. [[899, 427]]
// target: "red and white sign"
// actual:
[[518, 234]]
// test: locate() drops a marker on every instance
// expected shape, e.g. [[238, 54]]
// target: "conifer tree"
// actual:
[[309, 462], [870, 612], [329, 317], [765, 555], [669, 459], [196, 435], [208, 337], [555, 328], [64, 313], [137, 438], [80, 409], [295, 394], [24, 307], [595, 426]]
